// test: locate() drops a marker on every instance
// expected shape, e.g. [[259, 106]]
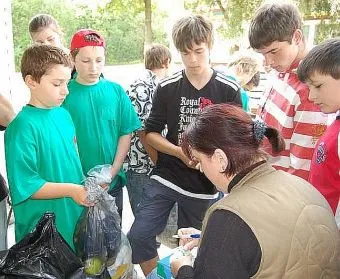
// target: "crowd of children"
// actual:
[[72, 124]]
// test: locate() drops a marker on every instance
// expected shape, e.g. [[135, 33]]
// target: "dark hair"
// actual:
[[324, 59], [38, 59], [192, 29], [274, 22], [43, 21], [230, 129], [74, 53], [156, 56]]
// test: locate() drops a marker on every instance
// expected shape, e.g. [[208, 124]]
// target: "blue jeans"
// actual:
[[134, 184], [153, 274]]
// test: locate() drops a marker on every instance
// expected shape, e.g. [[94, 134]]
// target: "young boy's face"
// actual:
[[324, 91], [89, 63], [280, 55], [52, 90], [196, 60], [47, 36]]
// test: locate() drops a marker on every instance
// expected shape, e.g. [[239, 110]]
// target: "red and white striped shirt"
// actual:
[[300, 122]]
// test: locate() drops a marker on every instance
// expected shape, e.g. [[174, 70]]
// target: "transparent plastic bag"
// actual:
[[101, 173], [98, 238], [122, 267]]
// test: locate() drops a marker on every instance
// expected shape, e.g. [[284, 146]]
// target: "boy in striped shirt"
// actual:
[[276, 32], [320, 69]]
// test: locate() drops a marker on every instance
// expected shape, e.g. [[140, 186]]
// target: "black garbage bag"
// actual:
[[97, 236], [43, 253]]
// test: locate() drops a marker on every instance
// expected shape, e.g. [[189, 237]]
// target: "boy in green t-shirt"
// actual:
[[43, 166], [101, 111]]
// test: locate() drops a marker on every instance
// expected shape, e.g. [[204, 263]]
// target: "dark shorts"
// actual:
[[152, 214], [134, 185]]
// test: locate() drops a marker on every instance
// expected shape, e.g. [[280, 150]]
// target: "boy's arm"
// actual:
[[122, 150], [148, 148], [161, 144], [6, 111], [129, 123], [52, 190], [155, 124], [308, 126]]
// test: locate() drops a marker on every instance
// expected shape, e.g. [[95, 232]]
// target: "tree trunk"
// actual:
[[148, 29], [224, 11]]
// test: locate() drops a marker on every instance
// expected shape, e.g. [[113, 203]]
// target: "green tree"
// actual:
[[148, 20], [121, 23], [23, 11], [235, 12]]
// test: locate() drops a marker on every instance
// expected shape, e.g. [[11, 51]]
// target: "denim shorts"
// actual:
[[135, 183]]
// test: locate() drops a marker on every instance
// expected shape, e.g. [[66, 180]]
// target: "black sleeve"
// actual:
[[229, 249], [237, 98], [157, 118], [3, 188]]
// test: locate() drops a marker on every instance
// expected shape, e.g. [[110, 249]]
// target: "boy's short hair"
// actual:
[[323, 59], [41, 21], [246, 64], [38, 59], [253, 82], [274, 22], [192, 29], [156, 56]]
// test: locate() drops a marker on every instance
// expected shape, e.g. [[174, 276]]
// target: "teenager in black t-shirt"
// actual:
[[176, 102]]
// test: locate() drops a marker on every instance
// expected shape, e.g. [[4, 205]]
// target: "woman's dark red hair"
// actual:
[[230, 129]]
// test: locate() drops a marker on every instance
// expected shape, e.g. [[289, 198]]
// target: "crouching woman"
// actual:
[[271, 224]]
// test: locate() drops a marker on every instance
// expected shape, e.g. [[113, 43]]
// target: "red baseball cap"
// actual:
[[86, 37]]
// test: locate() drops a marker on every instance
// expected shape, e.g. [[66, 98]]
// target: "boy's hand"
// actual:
[[189, 163], [105, 186], [79, 195]]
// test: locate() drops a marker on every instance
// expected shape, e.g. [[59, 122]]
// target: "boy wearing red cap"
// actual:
[[101, 111]]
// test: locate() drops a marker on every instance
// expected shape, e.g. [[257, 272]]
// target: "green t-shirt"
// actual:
[[101, 113], [40, 147], [244, 96]]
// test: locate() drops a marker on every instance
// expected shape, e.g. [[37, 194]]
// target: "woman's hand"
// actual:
[[188, 243], [176, 264]]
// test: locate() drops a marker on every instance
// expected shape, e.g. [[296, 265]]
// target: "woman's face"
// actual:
[[213, 167]]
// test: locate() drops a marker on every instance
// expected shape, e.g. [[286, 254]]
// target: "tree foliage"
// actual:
[[234, 13], [120, 22]]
